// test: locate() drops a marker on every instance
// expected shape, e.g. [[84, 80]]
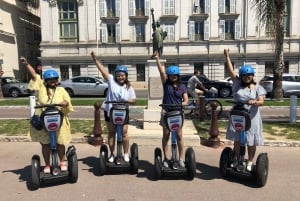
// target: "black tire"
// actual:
[[262, 169], [225, 159], [73, 167], [14, 92], [190, 163], [208, 108], [224, 92], [35, 172], [103, 157], [134, 158], [70, 92], [157, 163]]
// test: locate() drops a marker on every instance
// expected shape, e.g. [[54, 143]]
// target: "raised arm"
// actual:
[[100, 67], [28, 67], [161, 69], [229, 64]]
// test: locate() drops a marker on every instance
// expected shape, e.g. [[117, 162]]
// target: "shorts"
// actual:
[[107, 118], [194, 93]]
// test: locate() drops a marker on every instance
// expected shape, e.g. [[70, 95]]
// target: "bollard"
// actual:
[[32, 104], [96, 139], [201, 108], [293, 109], [214, 140]]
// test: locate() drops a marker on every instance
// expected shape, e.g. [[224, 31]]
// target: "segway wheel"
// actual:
[[262, 169], [225, 160], [103, 157], [190, 163], [35, 171], [73, 166], [157, 163], [134, 159]]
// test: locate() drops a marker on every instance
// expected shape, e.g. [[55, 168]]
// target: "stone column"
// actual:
[[155, 94]]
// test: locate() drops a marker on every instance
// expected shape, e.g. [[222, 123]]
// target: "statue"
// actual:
[[158, 36]]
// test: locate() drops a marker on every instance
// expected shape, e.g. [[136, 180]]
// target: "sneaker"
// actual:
[[126, 158], [181, 163], [165, 163], [63, 166], [249, 166], [111, 158], [234, 164], [47, 169]]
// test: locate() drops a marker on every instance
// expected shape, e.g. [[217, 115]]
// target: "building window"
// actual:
[[198, 30], [111, 8], [199, 6], [229, 29], [139, 8], [110, 33], [64, 72], [140, 72], [75, 70], [140, 32], [227, 6], [68, 20], [111, 68], [169, 7], [269, 67], [170, 29]]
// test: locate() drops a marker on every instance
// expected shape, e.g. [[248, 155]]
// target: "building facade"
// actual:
[[120, 32], [20, 35]]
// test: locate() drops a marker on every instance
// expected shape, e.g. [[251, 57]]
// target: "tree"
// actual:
[[270, 13]]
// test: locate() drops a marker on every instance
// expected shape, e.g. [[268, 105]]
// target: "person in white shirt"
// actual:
[[119, 89]]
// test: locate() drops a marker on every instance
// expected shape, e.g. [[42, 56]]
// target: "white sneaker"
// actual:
[[126, 157], [111, 159], [249, 166], [181, 163]]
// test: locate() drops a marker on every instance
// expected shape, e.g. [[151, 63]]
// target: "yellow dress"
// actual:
[[57, 96]]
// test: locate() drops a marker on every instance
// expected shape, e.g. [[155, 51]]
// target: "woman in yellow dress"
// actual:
[[48, 92]]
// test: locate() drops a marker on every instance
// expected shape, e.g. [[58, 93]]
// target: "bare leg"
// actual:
[[46, 153], [61, 152], [251, 152], [111, 136], [236, 149], [165, 139], [125, 139], [180, 144]]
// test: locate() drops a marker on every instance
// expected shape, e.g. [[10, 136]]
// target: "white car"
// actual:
[[85, 86]]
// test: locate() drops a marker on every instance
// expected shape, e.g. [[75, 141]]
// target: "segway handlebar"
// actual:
[[47, 105]]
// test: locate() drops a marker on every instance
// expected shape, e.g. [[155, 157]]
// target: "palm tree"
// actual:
[[270, 13]]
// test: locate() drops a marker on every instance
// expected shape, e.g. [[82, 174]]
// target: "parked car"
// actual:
[[226, 79], [290, 84], [11, 87], [85, 85], [224, 88]]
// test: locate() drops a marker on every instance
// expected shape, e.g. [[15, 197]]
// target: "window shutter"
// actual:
[[131, 7], [118, 37], [221, 6], [232, 6], [196, 3], [102, 8], [118, 4], [191, 30], [103, 33], [207, 6], [147, 7], [222, 29], [237, 34], [206, 30]]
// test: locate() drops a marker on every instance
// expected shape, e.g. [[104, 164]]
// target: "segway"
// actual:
[[241, 122], [174, 121], [51, 119], [119, 115]]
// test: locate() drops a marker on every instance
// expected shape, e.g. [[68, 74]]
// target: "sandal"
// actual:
[[63, 166], [47, 169]]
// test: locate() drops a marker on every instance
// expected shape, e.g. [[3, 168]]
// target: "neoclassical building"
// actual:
[[120, 32], [20, 35]]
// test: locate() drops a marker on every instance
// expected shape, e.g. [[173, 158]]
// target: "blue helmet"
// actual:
[[173, 70], [121, 68], [48, 74], [244, 70]]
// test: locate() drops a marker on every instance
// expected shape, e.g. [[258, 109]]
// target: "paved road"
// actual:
[[283, 182]]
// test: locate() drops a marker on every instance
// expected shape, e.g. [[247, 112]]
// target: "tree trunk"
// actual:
[[279, 61]]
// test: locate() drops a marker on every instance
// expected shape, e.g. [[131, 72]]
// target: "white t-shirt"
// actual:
[[117, 92]]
